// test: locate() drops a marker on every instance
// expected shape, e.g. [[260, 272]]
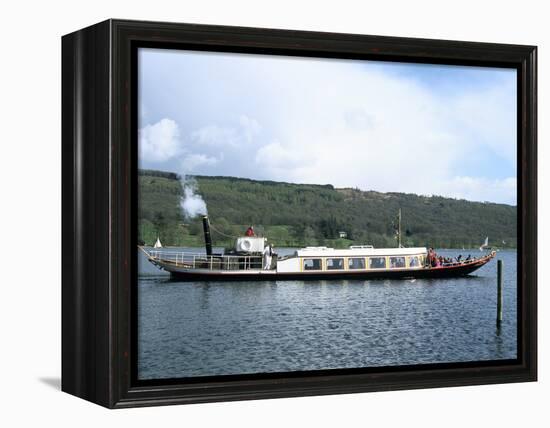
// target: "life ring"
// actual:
[[246, 244]]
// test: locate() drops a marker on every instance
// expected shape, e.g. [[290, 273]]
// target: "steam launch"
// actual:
[[253, 258]]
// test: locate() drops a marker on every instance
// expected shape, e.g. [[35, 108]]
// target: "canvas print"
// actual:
[[298, 214]]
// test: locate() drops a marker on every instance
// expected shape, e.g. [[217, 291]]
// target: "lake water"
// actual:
[[188, 329]]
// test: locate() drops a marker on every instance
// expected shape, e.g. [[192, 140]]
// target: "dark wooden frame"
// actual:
[[98, 191]]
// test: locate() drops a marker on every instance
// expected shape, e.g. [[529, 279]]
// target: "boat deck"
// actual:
[[188, 266]]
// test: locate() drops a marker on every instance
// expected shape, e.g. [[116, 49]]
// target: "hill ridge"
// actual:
[[294, 214]]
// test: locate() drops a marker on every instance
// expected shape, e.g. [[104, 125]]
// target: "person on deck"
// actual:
[[268, 253], [250, 231], [435, 260], [430, 257]]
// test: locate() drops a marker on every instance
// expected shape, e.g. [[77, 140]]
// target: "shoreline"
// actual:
[[338, 248]]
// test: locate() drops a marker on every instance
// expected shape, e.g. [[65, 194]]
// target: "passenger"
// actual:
[[268, 253], [250, 231], [469, 258], [431, 257], [459, 258]]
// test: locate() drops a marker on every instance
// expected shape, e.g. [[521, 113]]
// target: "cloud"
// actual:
[[359, 119], [365, 130], [479, 189], [249, 128], [214, 135], [276, 156], [160, 141], [488, 118], [347, 123], [205, 147], [193, 161], [376, 131]]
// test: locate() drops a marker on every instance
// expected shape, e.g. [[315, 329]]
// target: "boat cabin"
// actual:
[[363, 257]]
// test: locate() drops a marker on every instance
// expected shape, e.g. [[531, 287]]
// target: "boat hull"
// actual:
[[452, 271]]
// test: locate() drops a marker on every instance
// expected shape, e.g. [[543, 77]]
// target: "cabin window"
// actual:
[[397, 262], [356, 263], [414, 261], [312, 264], [333, 264], [377, 262]]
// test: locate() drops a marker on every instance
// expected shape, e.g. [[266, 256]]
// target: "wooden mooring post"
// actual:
[[499, 292]]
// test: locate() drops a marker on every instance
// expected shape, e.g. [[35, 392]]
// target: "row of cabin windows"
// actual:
[[337, 263]]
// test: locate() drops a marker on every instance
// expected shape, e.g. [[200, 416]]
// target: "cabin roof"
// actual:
[[359, 252]]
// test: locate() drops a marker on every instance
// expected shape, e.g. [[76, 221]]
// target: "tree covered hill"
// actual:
[[303, 214]]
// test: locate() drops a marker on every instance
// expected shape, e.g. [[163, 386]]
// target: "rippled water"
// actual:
[[188, 329]]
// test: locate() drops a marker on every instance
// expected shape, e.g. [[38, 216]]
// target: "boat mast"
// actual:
[[399, 229]]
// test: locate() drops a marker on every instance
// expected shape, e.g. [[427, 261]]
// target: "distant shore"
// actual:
[[219, 245], [298, 215]]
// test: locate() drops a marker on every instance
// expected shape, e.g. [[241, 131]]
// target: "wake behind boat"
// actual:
[[253, 258]]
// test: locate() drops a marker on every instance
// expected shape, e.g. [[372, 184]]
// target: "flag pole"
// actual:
[[399, 229]]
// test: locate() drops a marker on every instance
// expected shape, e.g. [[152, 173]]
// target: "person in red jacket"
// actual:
[[250, 231]]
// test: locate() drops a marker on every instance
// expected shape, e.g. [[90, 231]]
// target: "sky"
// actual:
[[384, 126]]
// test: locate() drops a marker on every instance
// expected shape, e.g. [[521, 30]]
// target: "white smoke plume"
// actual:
[[191, 203]]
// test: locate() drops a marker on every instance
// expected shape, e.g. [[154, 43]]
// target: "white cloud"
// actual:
[[275, 156], [346, 123], [160, 141], [364, 130], [213, 135], [245, 131], [359, 119], [249, 128], [479, 189], [489, 118], [193, 161], [377, 131]]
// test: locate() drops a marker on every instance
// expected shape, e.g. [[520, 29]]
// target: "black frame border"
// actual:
[[99, 160]]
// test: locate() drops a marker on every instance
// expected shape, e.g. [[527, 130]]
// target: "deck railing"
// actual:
[[204, 261]]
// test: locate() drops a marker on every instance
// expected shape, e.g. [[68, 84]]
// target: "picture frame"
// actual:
[[99, 185]]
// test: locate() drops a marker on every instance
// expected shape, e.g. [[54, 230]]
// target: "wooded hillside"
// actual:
[[302, 214]]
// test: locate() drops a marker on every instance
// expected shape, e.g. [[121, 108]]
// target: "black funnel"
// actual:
[[207, 237]]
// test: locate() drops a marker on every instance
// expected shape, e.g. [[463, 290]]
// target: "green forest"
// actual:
[[295, 215]]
